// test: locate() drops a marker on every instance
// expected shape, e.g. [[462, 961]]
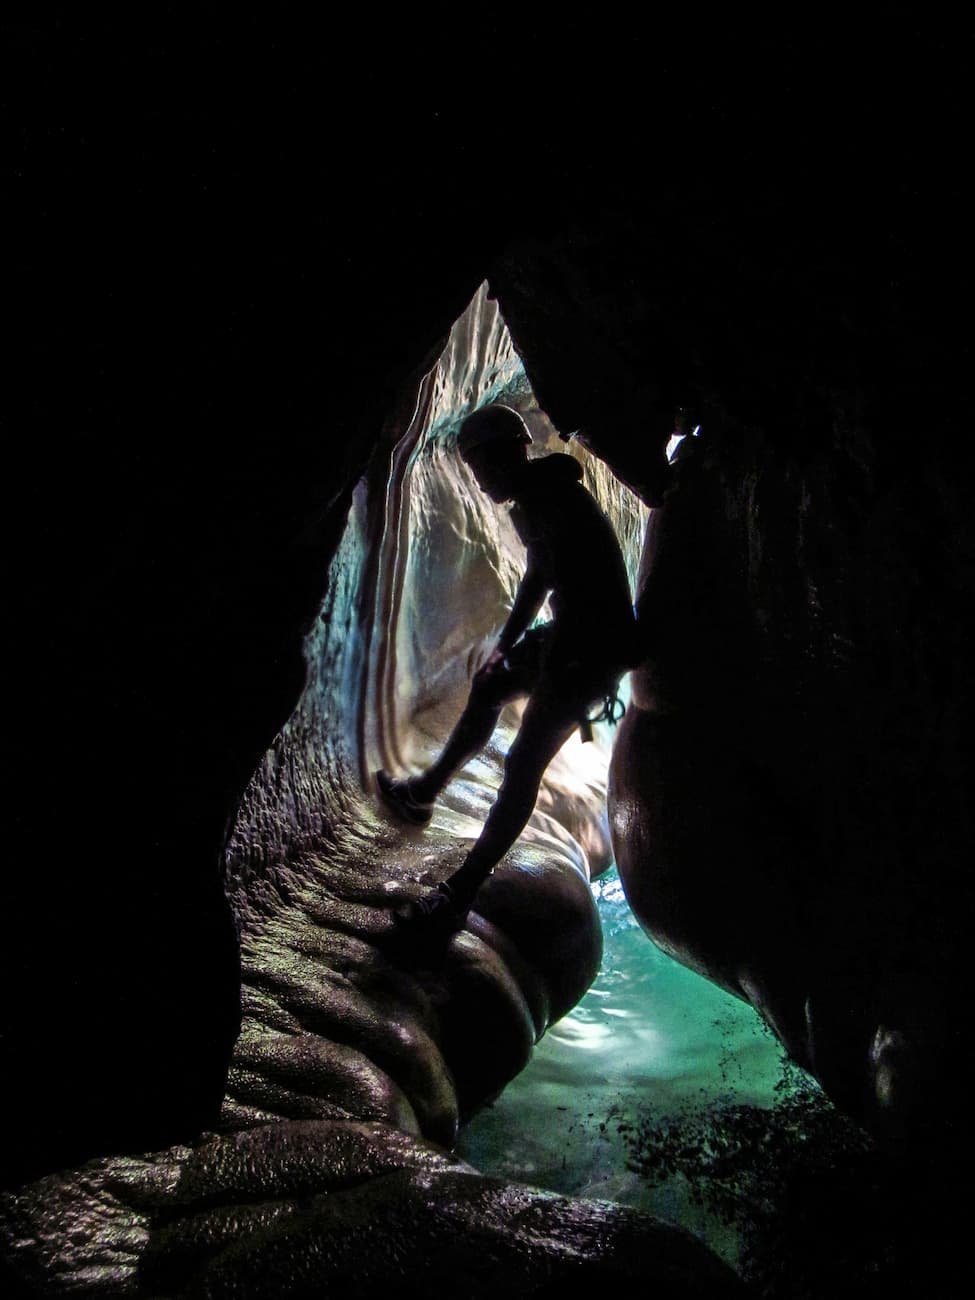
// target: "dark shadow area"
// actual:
[[819, 1209], [231, 250]]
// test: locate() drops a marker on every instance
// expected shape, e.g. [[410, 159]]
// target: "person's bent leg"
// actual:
[[490, 691]]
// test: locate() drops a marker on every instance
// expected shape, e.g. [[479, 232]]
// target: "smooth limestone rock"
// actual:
[[790, 796], [776, 782]]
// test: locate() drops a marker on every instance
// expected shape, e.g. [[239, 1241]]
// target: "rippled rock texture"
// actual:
[[346, 1209], [355, 1053], [211, 352], [335, 1021]]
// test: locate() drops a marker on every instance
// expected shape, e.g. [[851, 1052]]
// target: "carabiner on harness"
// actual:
[[611, 712]]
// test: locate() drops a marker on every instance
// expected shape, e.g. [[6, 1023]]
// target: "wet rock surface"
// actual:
[[343, 1021], [177, 279], [359, 1209], [789, 790], [340, 1016], [752, 777]]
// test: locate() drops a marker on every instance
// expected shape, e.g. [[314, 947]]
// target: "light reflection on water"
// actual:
[[649, 1033]]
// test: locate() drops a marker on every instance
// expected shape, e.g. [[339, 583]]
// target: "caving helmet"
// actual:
[[491, 424]]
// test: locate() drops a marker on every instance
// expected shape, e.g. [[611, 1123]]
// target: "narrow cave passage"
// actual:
[[418, 589], [660, 1090], [417, 593], [448, 562], [652, 1042]]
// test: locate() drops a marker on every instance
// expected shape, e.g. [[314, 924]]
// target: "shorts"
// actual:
[[537, 666]]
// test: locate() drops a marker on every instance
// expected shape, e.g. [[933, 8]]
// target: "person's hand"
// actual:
[[493, 662]]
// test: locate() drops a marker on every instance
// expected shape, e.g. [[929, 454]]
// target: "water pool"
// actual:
[[651, 1043]]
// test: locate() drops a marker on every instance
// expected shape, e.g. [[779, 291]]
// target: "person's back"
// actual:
[[573, 547]]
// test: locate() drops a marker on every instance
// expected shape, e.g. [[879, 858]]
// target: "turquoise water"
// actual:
[[650, 1041]]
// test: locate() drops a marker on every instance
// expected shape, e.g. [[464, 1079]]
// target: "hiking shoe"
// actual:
[[432, 918], [397, 797]]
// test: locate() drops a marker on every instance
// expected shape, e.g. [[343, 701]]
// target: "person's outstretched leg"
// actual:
[[545, 727]]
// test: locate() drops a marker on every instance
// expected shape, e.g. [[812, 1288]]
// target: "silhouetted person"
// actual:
[[564, 667]]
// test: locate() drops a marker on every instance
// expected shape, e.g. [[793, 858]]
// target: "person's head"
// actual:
[[494, 443]]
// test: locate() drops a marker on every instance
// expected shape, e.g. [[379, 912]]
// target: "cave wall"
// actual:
[[200, 381], [789, 791], [797, 744], [355, 1053], [339, 1022], [218, 294]]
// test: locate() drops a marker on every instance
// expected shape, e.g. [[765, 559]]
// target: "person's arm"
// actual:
[[528, 602]]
